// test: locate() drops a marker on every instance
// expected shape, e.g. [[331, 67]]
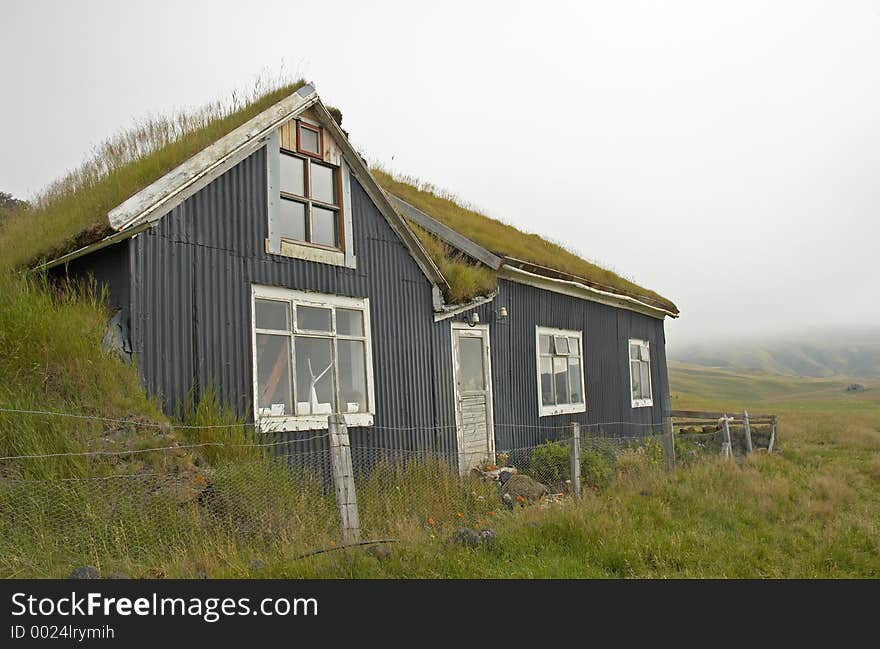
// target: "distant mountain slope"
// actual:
[[821, 354]]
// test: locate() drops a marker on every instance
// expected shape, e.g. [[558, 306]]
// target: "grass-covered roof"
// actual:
[[468, 279], [72, 211]]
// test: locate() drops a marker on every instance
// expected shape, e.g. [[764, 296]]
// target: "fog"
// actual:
[[726, 155]]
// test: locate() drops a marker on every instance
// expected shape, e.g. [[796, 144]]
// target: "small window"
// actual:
[[560, 372], [640, 373], [312, 359], [308, 139]]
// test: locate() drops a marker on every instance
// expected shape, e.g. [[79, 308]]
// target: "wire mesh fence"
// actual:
[[165, 501]]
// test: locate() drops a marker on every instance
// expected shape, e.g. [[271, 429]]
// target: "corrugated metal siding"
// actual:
[[192, 277], [606, 331], [190, 282]]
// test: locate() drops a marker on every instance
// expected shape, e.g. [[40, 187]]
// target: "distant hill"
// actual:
[[852, 353]]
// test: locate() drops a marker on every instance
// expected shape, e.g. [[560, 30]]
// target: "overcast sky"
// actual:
[[725, 154]]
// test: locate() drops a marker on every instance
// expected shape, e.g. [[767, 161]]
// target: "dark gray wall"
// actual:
[[188, 282], [191, 305], [606, 331], [109, 267]]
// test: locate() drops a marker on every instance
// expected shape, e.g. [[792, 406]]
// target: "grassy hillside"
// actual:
[[854, 353]]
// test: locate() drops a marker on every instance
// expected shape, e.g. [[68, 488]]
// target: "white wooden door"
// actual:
[[472, 371]]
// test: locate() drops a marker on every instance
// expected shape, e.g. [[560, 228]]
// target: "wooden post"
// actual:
[[772, 435], [725, 438], [576, 459], [669, 442], [747, 431], [343, 479]]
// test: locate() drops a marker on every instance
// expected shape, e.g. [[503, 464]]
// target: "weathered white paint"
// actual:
[[474, 410]]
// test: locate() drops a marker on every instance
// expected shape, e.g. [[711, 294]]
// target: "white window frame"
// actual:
[[309, 252], [568, 408], [649, 401], [267, 423]]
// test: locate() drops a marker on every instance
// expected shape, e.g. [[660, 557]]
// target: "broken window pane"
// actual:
[[547, 381], [349, 322], [314, 375], [574, 346], [312, 318], [271, 314], [292, 175], [293, 220], [273, 375], [634, 351], [352, 376]]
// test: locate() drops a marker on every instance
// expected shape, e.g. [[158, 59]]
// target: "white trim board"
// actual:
[[582, 291]]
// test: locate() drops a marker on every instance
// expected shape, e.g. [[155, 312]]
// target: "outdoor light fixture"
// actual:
[[502, 312], [474, 319]]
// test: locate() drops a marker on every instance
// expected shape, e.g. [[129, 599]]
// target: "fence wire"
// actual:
[[187, 504]]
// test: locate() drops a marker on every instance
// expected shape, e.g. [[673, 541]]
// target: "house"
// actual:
[[276, 267]]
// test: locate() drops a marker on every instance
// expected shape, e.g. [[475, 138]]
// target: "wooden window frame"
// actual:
[[565, 408], [294, 299], [645, 402], [315, 129], [308, 201]]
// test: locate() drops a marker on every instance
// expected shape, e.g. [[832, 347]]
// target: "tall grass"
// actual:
[[72, 211], [501, 238]]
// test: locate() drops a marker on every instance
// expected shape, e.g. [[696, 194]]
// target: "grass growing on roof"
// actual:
[[72, 211], [466, 279], [505, 239]]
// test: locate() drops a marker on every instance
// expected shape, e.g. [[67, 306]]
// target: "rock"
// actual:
[[523, 489], [710, 429], [85, 572], [257, 565], [508, 501], [855, 387], [381, 551], [474, 538], [117, 575], [499, 474]]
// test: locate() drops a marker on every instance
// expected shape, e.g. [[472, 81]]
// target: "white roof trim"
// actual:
[[582, 291], [157, 199]]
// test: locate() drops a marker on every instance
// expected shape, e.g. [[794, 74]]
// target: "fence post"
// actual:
[[747, 431], [576, 459], [669, 442], [725, 438], [772, 435], [343, 479]]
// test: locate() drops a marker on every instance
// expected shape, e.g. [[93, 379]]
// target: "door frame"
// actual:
[[490, 396]]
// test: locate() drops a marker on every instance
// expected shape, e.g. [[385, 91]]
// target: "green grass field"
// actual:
[[810, 511]]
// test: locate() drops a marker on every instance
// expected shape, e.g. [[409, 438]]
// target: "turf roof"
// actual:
[[72, 212], [469, 279]]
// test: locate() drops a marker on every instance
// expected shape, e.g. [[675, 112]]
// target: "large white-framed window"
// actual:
[[560, 355], [312, 357], [640, 373]]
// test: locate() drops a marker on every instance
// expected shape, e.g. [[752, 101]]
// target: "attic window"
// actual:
[[308, 140], [640, 373], [310, 209]]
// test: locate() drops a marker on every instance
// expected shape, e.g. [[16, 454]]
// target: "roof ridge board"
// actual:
[[448, 234], [146, 201], [561, 274]]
